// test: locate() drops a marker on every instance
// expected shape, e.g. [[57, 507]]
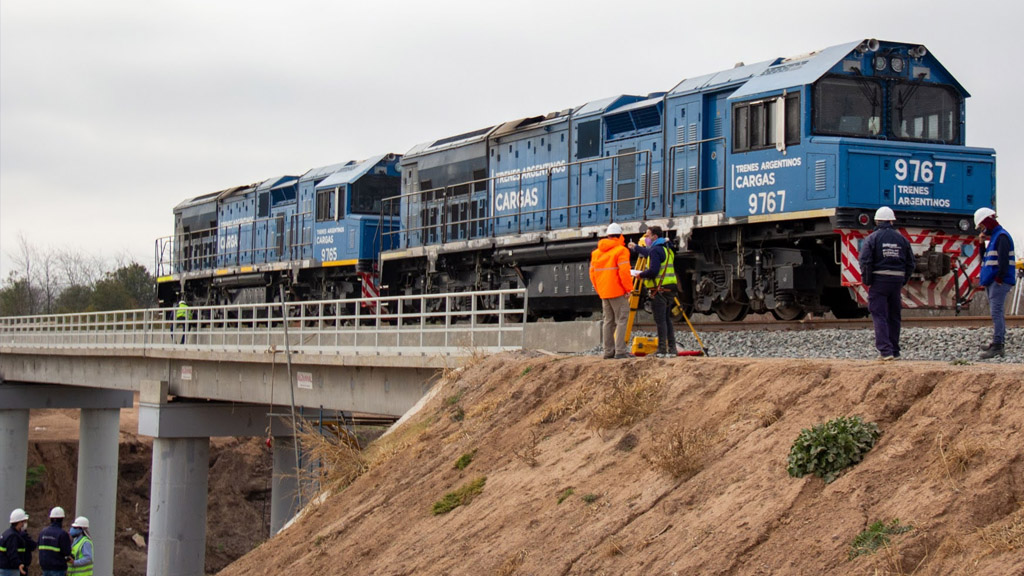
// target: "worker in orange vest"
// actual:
[[609, 273]]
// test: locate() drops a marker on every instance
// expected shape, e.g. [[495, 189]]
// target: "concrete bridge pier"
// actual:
[[181, 432], [284, 502], [13, 458], [96, 486]]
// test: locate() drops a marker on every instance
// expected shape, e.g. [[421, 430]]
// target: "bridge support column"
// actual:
[[181, 432], [96, 491], [284, 501], [177, 507], [13, 460], [96, 487]]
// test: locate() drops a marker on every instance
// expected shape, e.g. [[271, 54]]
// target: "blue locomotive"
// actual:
[[766, 176], [319, 234]]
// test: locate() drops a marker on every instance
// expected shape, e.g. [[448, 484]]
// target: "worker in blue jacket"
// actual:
[[16, 546], [54, 545], [886, 263], [661, 284], [997, 275]]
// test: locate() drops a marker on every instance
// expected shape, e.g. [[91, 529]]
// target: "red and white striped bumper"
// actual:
[[943, 292]]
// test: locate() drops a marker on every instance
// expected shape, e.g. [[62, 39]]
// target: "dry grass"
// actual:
[[628, 401], [580, 398], [765, 414], [1007, 536], [512, 564], [341, 461], [957, 458], [681, 452]]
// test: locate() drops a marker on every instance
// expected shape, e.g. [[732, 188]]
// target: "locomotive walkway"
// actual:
[[225, 371]]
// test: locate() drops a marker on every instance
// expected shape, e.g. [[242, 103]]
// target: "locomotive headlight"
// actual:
[[879, 63], [863, 219], [897, 64], [964, 225]]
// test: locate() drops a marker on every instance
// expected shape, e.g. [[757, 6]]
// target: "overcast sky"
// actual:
[[114, 111]]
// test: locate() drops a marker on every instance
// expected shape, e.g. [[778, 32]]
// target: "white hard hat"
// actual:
[[80, 522], [613, 230], [884, 214], [980, 214], [17, 515], [57, 512]]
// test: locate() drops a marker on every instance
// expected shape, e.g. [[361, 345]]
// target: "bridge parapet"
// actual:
[[454, 324]]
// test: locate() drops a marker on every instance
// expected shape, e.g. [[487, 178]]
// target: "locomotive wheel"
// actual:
[[732, 312], [789, 313]]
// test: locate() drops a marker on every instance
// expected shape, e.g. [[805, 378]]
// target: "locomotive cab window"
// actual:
[[846, 106], [756, 125], [925, 112], [325, 203]]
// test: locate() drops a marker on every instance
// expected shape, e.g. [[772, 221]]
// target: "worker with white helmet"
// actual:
[[54, 545], [81, 548], [16, 546], [609, 273], [886, 263], [997, 275]]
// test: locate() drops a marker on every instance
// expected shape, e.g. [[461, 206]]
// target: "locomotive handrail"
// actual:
[[169, 261], [452, 323], [700, 167], [444, 222]]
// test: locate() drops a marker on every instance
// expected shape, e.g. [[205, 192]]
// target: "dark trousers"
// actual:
[[885, 305], [661, 307]]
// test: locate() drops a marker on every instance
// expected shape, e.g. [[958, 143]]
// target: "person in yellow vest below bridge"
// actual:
[[610, 275], [80, 563], [660, 281]]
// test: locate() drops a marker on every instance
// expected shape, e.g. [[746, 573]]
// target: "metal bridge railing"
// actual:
[[453, 324]]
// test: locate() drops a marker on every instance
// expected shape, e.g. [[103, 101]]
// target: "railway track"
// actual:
[[771, 324]]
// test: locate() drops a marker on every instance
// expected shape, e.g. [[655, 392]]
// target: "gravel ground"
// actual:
[[938, 344]]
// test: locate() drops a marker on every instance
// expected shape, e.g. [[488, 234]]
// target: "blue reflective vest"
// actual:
[[990, 260]]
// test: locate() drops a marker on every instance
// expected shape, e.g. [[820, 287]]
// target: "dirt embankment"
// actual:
[[679, 467], [238, 512]]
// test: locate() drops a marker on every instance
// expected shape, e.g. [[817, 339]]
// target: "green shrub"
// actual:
[[34, 475], [463, 495], [826, 449], [875, 537], [464, 460], [565, 494]]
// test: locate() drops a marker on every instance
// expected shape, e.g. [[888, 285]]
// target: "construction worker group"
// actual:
[[60, 553], [886, 265], [619, 287]]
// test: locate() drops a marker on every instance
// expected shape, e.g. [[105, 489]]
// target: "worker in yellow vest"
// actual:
[[661, 284], [81, 548]]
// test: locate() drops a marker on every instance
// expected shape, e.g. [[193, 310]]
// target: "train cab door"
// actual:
[[712, 153]]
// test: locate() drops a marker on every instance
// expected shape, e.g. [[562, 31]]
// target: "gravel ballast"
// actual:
[[932, 344]]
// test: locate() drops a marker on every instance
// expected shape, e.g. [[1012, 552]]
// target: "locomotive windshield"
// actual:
[[892, 109]]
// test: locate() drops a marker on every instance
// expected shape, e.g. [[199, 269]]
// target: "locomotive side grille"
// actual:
[[680, 179], [718, 128], [819, 175], [608, 190], [656, 184], [692, 180], [693, 135], [681, 134]]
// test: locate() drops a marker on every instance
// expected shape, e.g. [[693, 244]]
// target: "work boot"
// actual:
[[992, 351], [988, 346]]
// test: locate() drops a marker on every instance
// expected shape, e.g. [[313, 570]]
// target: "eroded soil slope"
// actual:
[[651, 466]]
